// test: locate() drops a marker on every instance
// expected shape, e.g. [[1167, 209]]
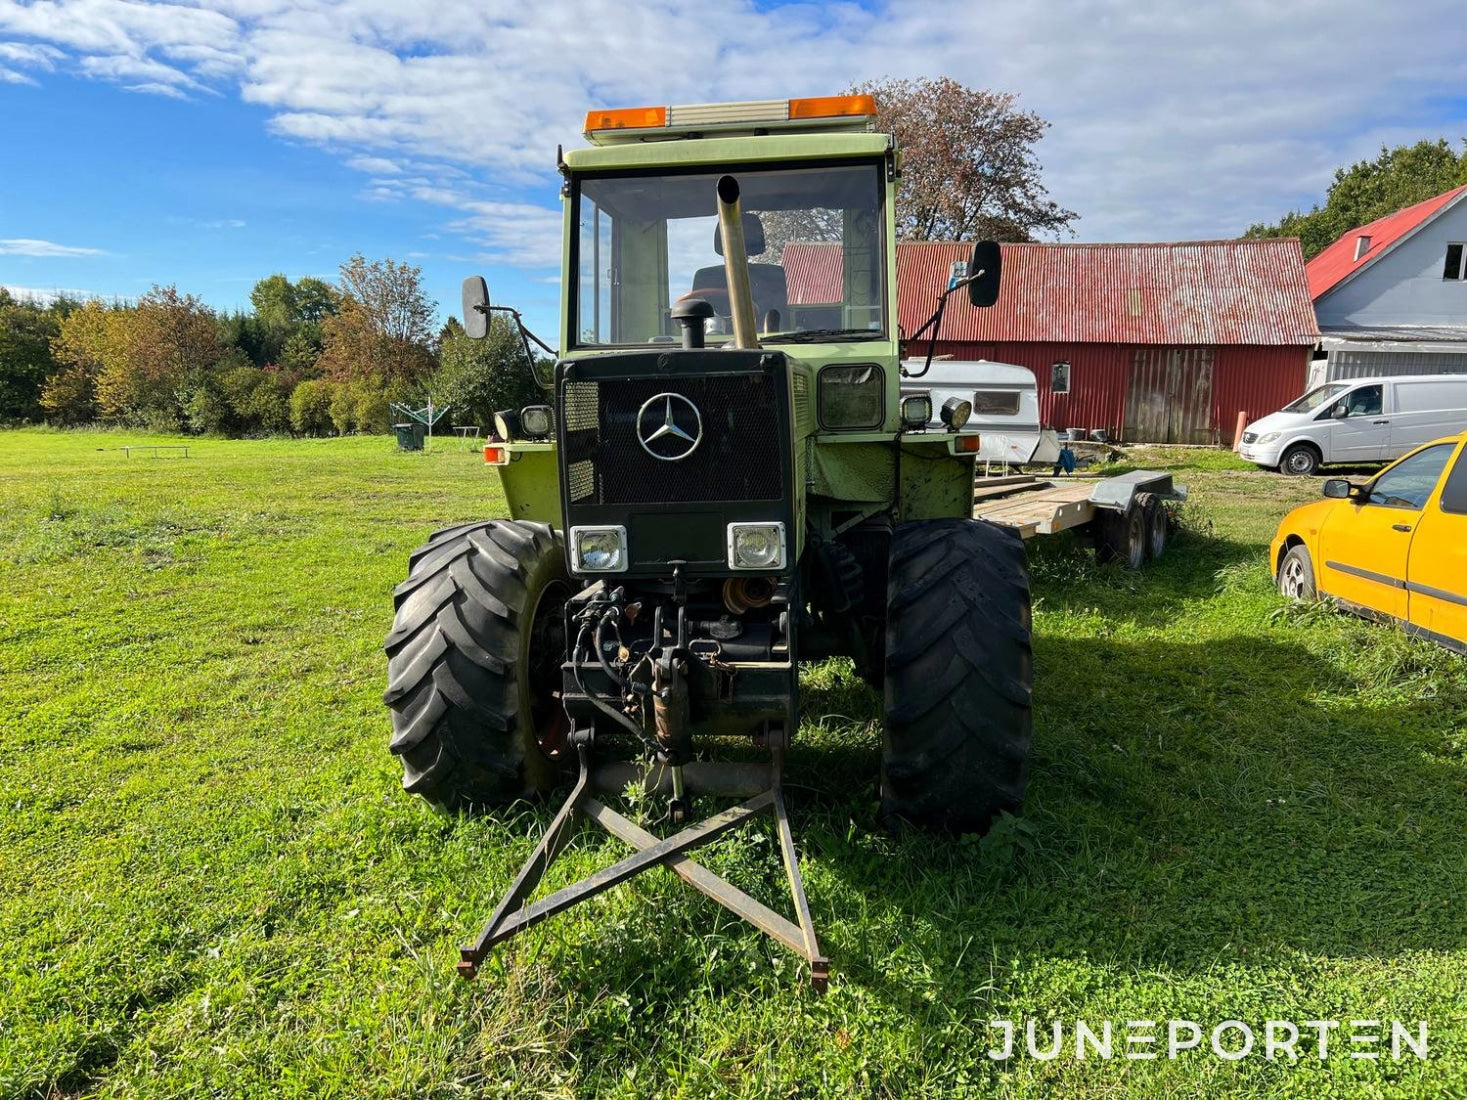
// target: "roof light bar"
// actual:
[[650, 123]]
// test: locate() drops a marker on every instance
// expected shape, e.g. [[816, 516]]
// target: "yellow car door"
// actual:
[[1436, 575], [1365, 541]]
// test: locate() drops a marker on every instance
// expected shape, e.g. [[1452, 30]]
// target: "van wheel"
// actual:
[[1300, 460]]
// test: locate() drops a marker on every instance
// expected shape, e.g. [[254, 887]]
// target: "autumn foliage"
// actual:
[[969, 170]]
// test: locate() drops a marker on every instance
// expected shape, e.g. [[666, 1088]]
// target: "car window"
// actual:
[[1409, 482], [1454, 492], [1363, 402]]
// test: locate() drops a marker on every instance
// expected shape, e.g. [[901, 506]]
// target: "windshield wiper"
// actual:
[[821, 336]]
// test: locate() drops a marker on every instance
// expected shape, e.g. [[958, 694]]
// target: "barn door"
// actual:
[[1169, 399]]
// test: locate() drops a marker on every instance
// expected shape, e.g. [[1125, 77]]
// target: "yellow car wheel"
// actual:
[[1296, 575]]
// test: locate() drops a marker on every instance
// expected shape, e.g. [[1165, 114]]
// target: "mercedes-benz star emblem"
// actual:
[[669, 427]]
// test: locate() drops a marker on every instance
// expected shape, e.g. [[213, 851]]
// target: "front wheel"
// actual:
[[1300, 460], [473, 662], [1296, 575], [958, 675]]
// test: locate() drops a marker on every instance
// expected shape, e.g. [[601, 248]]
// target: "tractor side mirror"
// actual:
[[984, 269], [476, 307]]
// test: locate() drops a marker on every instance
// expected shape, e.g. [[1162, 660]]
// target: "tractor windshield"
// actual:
[[814, 238]]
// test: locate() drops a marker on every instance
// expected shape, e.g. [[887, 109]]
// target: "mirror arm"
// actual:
[[935, 321], [525, 334]]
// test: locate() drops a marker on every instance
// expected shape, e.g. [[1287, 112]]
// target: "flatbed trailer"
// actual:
[[1125, 516]]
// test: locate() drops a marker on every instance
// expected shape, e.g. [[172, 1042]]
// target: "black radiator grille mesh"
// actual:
[[737, 458]]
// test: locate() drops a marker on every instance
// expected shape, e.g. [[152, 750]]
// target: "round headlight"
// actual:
[[955, 412], [507, 424]]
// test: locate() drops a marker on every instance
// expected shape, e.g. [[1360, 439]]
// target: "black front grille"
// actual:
[[1250, 437], [737, 457]]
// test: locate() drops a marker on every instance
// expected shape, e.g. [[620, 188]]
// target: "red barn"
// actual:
[[1155, 343]]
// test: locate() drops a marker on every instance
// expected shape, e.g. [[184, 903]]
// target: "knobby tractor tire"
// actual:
[[472, 660], [958, 675]]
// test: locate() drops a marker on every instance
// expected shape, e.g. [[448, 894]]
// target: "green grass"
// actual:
[[213, 884]]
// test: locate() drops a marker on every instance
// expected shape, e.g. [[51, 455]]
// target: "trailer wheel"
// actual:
[[1122, 536], [1153, 509], [958, 675], [472, 661]]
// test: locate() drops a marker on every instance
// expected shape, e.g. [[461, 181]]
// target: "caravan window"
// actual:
[[995, 402]]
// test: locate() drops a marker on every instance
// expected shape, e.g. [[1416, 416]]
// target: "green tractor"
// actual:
[[730, 478]]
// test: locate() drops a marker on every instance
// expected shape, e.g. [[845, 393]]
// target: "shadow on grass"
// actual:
[[1190, 805], [1194, 803]]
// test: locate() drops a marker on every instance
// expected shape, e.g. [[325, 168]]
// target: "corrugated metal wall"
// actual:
[[1344, 365], [1104, 379]]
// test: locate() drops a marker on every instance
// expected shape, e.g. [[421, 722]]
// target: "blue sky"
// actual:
[[210, 144]]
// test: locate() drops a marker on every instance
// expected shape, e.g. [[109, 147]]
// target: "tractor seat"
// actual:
[[766, 282]]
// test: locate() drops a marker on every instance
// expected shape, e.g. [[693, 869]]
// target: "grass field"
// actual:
[[214, 886]]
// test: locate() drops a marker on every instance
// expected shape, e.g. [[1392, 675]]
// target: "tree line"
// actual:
[[1371, 189], [309, 357]]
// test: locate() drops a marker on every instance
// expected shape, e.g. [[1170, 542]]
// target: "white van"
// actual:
[[1005, 401], [1360, 420]]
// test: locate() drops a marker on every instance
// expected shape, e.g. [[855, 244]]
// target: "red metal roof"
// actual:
[[1196, 292], [813, 273], [1337, 262]]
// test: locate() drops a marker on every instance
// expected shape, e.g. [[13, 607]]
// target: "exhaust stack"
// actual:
[[736, 263]]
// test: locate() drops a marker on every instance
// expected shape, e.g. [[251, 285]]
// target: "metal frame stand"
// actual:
[[513, 916]]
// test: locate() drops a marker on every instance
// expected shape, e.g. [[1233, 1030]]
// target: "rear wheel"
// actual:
[[1300, 460], [473, 661], [958, 675], [1296, 574], [1122, 536], [1153, 511]]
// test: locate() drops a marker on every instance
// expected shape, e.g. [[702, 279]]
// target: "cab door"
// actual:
[[1359, 430], [1365, 542], [1436, 574]]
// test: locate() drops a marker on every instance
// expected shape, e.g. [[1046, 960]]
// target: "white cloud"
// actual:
[[49, 295], [29, 246], [377, 166], [1169, 120]]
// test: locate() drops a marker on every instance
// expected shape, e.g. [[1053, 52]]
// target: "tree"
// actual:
[[1371, 189], [310, 406], [968, 166], [26, 331], [479, 377], [383, 328]]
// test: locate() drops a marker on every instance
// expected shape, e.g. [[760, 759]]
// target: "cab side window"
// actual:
[[1366, 401], [1409, 482]]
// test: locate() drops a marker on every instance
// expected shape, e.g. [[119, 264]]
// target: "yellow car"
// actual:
[[1394, 547]]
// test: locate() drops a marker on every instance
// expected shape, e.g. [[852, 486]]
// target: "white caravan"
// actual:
[[1005, 401], [1358, 420]]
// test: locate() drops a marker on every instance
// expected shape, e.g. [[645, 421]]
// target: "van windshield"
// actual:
[[1314, 398]]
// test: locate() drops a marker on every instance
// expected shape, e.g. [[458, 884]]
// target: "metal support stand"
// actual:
[[513, 916]]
